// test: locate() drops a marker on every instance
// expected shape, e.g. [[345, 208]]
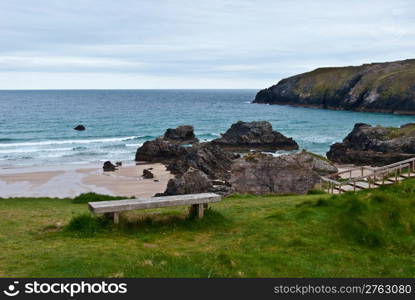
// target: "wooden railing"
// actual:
[[376, 176]]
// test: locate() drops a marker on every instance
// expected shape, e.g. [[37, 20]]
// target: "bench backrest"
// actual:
[[152, 202]]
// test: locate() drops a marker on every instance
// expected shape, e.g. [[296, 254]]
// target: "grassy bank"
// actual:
[[368, 234]]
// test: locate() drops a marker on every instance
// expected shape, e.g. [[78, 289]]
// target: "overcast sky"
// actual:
[[54, 44]]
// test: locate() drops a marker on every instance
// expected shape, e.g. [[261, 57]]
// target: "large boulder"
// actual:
[[244, 136], [159, 150], [193, 181], [181, 135], [285, 174], [375, 145], [211, 159]]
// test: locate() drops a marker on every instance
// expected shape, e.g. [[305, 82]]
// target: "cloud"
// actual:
[[63, 63], [179, 42]]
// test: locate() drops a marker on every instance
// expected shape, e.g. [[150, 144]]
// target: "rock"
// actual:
[[210, 159], [244, 136], [147, 174], [80, 127], [375, 145], [377, 87], [159, 150], [321, 165], [109, 167], [285, 174], [181, 135], [223, 190], [193, 181], [118, 163]]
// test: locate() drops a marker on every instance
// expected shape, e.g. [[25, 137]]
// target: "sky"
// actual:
[[166, 44]]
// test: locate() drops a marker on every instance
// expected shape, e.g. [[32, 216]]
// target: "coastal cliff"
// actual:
[[377, 87]]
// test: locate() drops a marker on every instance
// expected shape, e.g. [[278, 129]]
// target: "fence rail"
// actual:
[[392, 173]]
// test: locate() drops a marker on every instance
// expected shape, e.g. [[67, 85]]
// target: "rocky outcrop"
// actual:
[[377, 87], [244, 136], [181, 135], [109, 167], [80, 127], [211, 159], [375, 145], [286, 174], [159, 150]]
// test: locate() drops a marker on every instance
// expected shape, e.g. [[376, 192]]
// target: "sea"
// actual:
[[36, 126]]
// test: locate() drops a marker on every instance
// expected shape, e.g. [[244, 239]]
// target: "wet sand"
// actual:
[[70, 181]]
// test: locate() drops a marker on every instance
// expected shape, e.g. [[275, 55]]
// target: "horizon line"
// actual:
[[133, 89]]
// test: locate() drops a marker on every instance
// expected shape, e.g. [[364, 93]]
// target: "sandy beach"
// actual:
[[70, 181]]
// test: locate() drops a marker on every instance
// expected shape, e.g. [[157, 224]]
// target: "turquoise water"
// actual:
[[36, 126]]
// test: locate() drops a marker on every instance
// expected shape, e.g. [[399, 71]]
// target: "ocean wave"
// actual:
[[75, 141], [8, 151], [208, 135], [80, 154]]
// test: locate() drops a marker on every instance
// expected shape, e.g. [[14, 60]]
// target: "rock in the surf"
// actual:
[[79, 127]]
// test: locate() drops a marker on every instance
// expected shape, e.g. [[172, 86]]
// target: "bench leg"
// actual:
[[197, 209], [116, 217], [200, 210]]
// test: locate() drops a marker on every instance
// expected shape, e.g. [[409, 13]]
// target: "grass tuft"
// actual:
[[93, 197], [87, 225]]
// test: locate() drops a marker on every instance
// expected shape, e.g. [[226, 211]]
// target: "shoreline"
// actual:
[[67, 181]]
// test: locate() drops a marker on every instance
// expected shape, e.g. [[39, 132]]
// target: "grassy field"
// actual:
[[367, 234]]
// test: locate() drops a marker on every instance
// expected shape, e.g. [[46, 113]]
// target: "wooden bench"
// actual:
[[197, 203]]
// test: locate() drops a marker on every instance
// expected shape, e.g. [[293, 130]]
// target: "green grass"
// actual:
[[364, 234], [93, 197], [395, 132]]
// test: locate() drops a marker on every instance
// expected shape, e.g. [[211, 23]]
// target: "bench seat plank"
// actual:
[[151, 202]]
